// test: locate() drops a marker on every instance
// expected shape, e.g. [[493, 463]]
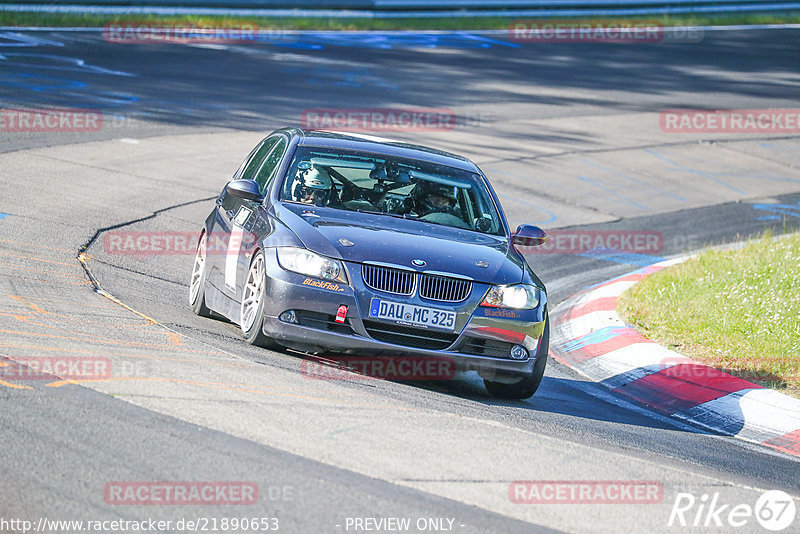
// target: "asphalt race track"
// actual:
[[570, 136]]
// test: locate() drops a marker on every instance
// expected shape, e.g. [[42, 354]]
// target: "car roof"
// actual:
[[368, 143]]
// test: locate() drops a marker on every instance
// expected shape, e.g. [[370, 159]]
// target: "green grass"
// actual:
[[736, 310], [296, 23]]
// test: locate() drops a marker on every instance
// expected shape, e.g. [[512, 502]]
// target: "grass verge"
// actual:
[[735, 310], [313, 23]]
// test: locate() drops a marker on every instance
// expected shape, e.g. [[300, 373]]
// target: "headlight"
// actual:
[[303, 261], [518, 296]]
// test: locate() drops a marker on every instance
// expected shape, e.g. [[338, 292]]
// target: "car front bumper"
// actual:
[[481, 340]]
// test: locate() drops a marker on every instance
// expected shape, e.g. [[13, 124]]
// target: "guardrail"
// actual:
[[374, 4], [404, 8]]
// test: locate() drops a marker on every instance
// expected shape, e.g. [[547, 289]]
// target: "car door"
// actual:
[[245, 219], [235, 217], [222, 228]]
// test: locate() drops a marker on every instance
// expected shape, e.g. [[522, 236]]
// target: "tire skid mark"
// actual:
[[30, 320], [85, 305], [38, 309], [4, 253], [173, 339], [34, 307], [11, 267], [33, 245], [229, 387], [9, 384], [13, 386], [101, 341], [133, 355]]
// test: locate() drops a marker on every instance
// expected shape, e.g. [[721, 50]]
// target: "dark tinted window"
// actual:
[[266, 172], [395, 187], [257, 159]]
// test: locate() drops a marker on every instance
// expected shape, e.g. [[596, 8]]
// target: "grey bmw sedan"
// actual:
[[329, 242]]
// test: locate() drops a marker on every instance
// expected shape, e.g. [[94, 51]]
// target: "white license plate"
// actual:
[[413, 315]]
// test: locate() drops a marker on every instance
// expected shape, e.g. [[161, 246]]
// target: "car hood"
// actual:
[[385, 239]]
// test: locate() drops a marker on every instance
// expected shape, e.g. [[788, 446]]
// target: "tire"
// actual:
[[197, 283], [252, 306], [526, 387]]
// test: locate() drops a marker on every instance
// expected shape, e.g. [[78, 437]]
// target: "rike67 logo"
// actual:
[[774, 510]]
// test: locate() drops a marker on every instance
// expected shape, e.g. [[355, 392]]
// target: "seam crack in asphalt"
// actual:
[[134, 271], [555, 198], [97, 288], [642, 147], [762, 158], [153, 215], [98, 167]]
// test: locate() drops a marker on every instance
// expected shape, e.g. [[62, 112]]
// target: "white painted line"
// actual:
[[627, 359], [754, 414], [761, 414], [769, 414], [782, 411], [673, 261], [614, 289], [591, 322]]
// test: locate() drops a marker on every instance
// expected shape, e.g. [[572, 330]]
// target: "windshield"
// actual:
[[395, 187]]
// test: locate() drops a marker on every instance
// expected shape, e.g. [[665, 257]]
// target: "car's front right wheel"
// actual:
[[526, 387], [252, 308]]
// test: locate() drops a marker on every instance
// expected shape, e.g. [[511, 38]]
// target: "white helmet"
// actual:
[[312, 186]]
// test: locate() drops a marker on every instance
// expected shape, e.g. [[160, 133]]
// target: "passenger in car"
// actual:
[[431, 197]]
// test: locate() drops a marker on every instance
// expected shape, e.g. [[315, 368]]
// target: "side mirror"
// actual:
[[528, 236], [246, 189]]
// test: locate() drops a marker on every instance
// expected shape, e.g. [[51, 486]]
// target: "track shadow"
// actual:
[[270, 84], [562, 396]]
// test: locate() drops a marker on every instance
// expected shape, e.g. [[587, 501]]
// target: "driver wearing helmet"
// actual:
[[432, 197], [312, 186]]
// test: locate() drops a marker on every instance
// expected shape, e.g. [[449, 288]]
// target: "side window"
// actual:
[[270, 165], [258, 157]]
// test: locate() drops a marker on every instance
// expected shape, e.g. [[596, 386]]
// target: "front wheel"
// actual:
[[252, 309], [197, 284], [526, 387]]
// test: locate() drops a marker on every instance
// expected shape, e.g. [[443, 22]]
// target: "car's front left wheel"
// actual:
[[252, 308], [197, 284]]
